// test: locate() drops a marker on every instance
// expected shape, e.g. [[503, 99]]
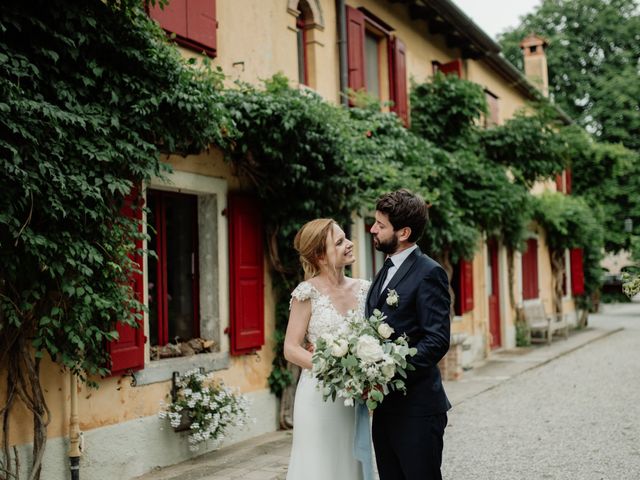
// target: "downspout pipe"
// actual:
[[342, 51], [74, 430]]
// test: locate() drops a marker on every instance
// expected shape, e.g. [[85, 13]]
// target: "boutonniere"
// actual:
[[392, 298]]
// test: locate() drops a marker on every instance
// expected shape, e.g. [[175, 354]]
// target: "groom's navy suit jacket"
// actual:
[[423, 313]]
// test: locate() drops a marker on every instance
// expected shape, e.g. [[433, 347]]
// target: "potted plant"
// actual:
[[205, 407]]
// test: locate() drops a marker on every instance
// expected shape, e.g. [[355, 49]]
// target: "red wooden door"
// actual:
[[493, 290]]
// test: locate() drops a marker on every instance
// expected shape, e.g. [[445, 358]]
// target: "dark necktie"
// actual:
[[382, 276]]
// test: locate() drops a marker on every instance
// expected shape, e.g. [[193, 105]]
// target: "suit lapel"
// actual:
[[400, 274]]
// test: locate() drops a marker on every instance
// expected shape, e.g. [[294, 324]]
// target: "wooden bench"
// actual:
[[538, 320]]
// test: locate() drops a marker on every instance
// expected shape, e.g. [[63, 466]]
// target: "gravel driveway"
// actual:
[[575, 418]]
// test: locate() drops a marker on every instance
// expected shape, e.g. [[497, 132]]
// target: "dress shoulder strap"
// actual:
[[304, 291]]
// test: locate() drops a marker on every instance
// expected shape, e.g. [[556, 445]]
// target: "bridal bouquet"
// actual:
[[360, 365]]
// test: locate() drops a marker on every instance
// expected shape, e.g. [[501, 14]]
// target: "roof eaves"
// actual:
[[484, 47]]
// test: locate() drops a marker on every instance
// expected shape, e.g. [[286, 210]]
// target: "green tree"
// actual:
[[606, 175], [593, 58], [91, 93], [476, 193], [530, 144]]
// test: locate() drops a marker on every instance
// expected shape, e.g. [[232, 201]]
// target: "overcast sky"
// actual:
[[494, 16]]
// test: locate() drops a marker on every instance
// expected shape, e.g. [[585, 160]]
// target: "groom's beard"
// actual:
[[389, 247]]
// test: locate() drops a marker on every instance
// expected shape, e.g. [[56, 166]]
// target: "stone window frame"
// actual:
[[313, 26], [214, 276]]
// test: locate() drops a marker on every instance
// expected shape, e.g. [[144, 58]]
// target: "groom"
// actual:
[[412, 290]]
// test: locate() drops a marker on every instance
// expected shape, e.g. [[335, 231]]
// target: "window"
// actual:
[[530, 270], [192, 21], [563, 181], [376, 60], [492, 119], [302, 52], [372, 64], [303, 22], [186, 288], [306, 22], [173, 286]]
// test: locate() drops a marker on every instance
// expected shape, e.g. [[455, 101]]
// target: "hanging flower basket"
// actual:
[[185, 422], [204, 407]]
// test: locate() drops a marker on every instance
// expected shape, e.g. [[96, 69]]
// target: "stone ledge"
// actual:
[[162, 370]]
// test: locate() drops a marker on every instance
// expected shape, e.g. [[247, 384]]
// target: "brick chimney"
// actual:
[[535, 62]]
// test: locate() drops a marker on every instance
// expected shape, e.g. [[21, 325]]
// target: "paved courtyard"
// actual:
[[566, 411]]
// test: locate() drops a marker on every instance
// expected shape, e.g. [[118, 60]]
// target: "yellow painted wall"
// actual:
[[255, 39], [509, 99], [116, 400]]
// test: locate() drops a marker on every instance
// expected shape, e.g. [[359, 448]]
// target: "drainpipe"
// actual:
[[74, 430], [342, 50]]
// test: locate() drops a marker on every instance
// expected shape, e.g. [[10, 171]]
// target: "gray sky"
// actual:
[[494, 16]]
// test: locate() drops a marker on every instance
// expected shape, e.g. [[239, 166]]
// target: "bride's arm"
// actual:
[[296, 331]]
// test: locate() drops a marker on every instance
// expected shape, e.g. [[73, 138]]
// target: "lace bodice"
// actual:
[[324, 316]]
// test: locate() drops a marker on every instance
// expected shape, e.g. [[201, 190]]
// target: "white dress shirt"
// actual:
[[397, 260]]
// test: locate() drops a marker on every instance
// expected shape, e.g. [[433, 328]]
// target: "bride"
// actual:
[[324, 431]]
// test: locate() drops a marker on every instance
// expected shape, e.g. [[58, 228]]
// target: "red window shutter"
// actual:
[[173, 17], [466, 277], [355, 47], [201, 22], [559, 186], [127, 353], [577, 272], [247, 272], [451, 68], [567, 176], [193, 22], [398, 76], [530, 270], [462, 283]]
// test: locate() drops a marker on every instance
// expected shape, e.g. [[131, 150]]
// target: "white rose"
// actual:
[[319, 365], [385, 330], [339, 348], [348, 402], [388, 370], [368, 349]]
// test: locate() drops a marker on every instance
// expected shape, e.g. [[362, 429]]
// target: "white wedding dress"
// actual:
[[323, 432]]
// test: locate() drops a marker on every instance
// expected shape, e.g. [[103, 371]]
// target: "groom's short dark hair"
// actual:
[[405, 209]]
